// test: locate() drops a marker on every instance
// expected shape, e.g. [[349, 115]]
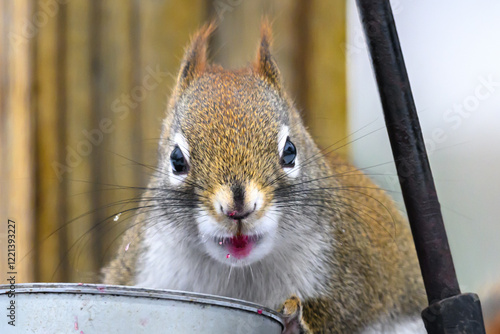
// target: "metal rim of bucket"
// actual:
[[130, 291]]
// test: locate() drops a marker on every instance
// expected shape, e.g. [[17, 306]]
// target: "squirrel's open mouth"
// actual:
[[239, 246]]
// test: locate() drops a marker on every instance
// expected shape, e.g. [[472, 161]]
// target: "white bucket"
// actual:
[[92, 308]]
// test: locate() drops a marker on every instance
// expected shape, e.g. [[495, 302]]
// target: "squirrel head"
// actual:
[[230, 138]]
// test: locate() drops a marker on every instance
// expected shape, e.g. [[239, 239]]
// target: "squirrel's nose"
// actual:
[[237, 201], [238, 214]]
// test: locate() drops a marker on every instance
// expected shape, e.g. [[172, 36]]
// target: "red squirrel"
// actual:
[[245, 205]]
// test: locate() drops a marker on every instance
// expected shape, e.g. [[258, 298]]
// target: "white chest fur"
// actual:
[[170, 262], [401, 326]]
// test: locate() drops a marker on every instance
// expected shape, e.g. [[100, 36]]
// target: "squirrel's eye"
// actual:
[[289, 154], [179, 163]]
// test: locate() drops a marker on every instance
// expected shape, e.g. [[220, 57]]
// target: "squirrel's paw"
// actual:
[[292, 310]]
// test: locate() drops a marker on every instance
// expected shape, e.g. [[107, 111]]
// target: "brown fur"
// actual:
[[491, 308], [376, 261]]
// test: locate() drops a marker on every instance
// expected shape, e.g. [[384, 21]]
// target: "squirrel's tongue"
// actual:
[[240, 246]]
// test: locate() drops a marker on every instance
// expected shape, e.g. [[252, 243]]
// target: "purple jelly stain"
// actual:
[[259, 311], [228, 256], [100, 288], [76, 323]]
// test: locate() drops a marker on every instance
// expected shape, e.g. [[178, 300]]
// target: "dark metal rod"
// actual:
[[449, 312], [409, 152]]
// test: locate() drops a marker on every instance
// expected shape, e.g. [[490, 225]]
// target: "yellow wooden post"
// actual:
[[50, 148], [81, 136], [325, 104], [16, 134]]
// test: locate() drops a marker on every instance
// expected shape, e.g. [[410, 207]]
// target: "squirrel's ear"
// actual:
[[265, 64], [195, 57]]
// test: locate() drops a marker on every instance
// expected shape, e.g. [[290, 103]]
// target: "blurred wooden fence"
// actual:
[[83, 89]]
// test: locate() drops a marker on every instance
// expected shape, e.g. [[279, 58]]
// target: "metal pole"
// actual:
[[449, 310]]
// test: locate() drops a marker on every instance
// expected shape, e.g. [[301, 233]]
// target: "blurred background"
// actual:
[[84, 86]]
